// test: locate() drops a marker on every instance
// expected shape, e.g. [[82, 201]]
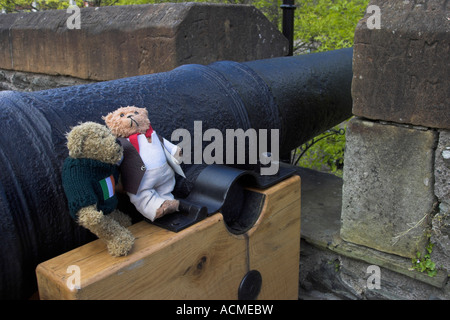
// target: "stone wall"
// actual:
[[395, 197], [28, 81], [124, 41], [396, 191], [395, 175]]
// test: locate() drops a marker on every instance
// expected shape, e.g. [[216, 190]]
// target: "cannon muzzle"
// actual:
[[301, 96]]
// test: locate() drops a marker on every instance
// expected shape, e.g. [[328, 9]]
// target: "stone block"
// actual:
[[124, 41], [392, 285], [400, 71], [388, 186]]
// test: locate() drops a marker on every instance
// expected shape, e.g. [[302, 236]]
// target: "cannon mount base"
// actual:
[[203, 261]]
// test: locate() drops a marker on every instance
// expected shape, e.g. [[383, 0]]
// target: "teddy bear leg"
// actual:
[[119, 240], [123, 219], [146, 202]]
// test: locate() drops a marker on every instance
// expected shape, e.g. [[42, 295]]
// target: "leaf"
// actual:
[[432, 273]]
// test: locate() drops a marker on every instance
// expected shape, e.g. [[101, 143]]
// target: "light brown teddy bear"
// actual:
[[146, 175], [89, 176]]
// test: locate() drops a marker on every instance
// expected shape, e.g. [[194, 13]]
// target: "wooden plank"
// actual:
[[274, 243], [204, 261]]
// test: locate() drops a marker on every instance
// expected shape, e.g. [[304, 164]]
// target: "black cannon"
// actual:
[[301, 96]]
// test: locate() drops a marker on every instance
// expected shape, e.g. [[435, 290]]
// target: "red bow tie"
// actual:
[[134, 137]]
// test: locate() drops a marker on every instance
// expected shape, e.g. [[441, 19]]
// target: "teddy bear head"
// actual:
[[94, 141], [126, 121]]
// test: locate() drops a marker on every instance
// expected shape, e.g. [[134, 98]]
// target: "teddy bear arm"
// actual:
[[79, 196], [119, 240], [89, 216], [179, 154], [123, 219], [174, 150]]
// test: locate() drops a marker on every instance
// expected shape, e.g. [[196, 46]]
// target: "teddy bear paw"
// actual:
[[168, 206], [121, 244]]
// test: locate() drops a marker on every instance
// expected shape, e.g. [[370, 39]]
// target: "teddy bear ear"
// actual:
[[66, 135], [107, 118]]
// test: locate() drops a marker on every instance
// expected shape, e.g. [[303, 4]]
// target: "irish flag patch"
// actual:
[[108, 186]]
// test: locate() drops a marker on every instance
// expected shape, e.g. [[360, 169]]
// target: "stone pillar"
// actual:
[[396, 172]]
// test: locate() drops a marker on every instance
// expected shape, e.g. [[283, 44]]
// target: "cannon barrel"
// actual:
[[301, 96]]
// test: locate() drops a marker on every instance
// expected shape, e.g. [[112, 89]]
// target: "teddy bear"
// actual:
[[146, 176], [89, 176]]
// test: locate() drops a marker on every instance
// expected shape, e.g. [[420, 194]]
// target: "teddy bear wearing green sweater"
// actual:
[[89, 176]]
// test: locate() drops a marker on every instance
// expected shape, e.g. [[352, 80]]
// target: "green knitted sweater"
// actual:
[[87, 182]]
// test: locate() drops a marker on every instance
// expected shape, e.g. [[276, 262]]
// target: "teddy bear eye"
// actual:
[[121, 115], [136, 112]]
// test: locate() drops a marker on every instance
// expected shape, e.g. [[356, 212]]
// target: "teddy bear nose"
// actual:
[[130, 116]]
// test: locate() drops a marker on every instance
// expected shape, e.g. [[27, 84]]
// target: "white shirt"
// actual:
[[152, 154]]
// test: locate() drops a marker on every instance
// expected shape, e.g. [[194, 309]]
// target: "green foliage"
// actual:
[[328, 24], [323, 153], [52, 4], [336, 263], [27, 5], [322, 25], [271, 9], [424, 264], [11, 5]]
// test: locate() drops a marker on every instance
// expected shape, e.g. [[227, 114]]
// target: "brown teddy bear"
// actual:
[[146, 175], [89, 176]]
